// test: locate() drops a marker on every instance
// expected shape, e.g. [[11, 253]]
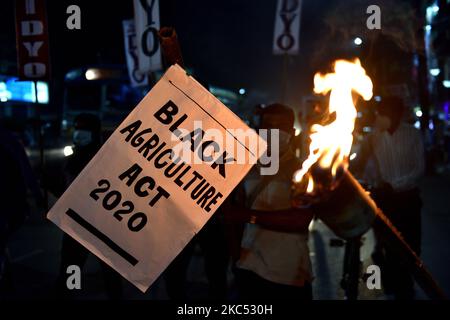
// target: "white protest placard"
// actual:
[[158, 179], [287, 27], [137, 78]]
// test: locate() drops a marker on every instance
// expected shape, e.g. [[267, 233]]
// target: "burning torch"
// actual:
[[325, 181]]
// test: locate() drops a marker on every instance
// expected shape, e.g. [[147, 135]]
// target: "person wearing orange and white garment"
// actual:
[[274, 261], [396, 150]]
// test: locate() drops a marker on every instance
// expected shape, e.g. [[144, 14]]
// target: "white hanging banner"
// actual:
[[287, 27], [146, 19]]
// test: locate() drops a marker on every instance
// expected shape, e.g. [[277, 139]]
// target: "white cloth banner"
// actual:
[[140, 200], [287, 27], [137, 79], [146, 19]]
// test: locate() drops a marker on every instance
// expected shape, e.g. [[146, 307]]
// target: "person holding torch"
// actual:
[[273, 262]]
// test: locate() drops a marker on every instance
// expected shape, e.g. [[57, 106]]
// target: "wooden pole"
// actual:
[[419, 271]]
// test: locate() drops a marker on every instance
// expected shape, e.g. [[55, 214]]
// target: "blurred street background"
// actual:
[[227, 45]]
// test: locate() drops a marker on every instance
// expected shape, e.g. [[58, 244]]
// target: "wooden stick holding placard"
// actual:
[[170, 48]]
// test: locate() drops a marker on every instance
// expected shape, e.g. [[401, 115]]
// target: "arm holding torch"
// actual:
[[338, 198], [288, 220]]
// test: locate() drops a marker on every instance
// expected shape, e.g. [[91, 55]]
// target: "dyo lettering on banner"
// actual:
[[32, 40], [136, 77]]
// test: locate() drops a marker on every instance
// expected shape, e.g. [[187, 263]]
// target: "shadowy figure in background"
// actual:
[[394, 160], [16, 178], [87, 141], [212, 242]]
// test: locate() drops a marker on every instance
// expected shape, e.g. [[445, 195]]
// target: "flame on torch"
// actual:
[[331, 144]]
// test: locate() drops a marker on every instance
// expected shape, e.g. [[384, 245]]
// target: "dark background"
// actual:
[[227, 42]]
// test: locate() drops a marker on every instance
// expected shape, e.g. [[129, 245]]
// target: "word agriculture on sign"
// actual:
[[32, 40], [136, 204]]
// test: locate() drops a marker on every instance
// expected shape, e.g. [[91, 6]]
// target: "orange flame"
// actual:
[[331, 144]]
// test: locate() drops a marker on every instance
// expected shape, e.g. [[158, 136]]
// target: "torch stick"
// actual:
[[420, 272], [344, 205]]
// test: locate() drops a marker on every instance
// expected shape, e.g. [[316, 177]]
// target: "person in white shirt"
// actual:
[[274, 260], [397, 162]]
